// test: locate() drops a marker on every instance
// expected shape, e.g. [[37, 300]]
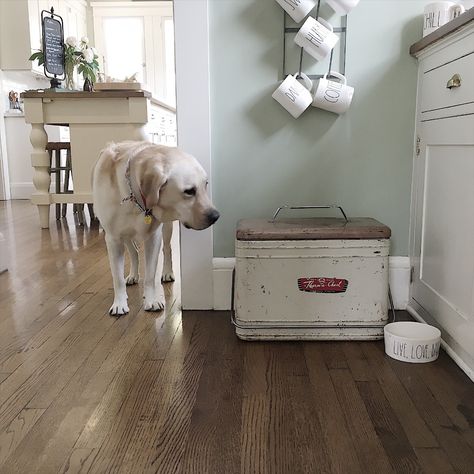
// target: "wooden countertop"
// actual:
[[113, 94], [443, 31], [47, 94]]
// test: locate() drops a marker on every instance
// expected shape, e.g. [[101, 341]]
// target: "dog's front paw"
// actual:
[[119, 307], [167, 276], [154, 304], [132, 279]]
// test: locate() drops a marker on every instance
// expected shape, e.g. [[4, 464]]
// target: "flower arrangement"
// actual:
[[76, 53]]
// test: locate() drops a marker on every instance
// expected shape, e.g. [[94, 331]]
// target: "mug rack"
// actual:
[[342, 30]]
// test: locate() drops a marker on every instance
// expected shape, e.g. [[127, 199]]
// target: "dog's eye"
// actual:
[[190, 191]]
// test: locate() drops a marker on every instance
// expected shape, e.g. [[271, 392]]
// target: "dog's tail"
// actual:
[[109, 147]]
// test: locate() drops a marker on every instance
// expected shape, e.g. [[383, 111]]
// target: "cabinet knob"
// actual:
[[454, 82]]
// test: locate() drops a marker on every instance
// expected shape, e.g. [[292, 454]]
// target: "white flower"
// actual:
[[85, 40], [88, 55], [94, 51], [71, 41]]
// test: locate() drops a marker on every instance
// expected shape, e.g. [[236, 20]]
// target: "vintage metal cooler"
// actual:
[[311, 278]]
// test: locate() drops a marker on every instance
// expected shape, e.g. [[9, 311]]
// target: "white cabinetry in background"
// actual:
[[20, 28], [442, 217], [19, 151]]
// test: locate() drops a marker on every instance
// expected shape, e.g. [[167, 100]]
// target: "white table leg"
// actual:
[[41, 176]]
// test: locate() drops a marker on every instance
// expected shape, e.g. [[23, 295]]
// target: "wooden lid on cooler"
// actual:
[[319, 228]]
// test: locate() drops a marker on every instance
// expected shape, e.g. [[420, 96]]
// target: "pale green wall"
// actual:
[[262, 157]]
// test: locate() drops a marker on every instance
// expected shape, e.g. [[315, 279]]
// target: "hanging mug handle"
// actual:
[[457, 10], [326, 24], [340, 76], [308, 83]]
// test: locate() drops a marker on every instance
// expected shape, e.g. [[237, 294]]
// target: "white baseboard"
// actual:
[[454, 351], [21, 190], [222, 278], [399, 277]]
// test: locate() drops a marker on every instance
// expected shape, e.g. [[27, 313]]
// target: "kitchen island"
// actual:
[[94, 119]]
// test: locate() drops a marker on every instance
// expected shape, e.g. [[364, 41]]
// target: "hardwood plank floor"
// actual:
[[172, 392]]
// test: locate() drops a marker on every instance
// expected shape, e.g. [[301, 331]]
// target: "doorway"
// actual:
[[186, 69]]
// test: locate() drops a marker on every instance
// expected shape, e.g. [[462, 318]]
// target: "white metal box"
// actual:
[[320, 278]]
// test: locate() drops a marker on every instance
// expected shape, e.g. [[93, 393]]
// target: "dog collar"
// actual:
[[140, 203]]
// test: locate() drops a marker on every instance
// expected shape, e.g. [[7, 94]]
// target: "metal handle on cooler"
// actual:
[[334, 206]]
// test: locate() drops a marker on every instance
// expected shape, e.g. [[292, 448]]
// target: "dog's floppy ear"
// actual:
[[151, 182]]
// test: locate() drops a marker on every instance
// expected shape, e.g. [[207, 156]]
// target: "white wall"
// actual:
[[16, 135], [361, 160]]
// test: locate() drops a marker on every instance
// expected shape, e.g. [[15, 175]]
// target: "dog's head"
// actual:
[[179, 184]]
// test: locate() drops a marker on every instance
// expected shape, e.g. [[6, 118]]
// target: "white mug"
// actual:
[[297, 9], [333, 96], [294, 96], [343, 7], [317, 37], [438, 14]]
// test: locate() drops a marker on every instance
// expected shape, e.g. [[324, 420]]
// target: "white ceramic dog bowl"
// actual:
[[412, 342]]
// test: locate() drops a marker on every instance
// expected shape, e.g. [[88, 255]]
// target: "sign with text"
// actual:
[[53, 43], [322, 285]]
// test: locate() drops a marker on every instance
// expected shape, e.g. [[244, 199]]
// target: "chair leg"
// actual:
[[67, 174], [90, 207], [57, 190], [80, 214]]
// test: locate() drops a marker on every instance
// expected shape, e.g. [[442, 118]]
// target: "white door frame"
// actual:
[[193, 122]]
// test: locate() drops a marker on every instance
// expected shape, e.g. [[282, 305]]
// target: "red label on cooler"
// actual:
[[322, 285]]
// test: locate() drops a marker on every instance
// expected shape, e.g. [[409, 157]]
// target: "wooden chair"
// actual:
[[63, 169], [59, 169]]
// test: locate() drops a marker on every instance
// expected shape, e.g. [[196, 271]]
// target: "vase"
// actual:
[[88, 86], [69, 73]]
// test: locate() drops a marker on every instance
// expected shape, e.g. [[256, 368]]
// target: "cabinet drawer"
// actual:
[[434, 92]]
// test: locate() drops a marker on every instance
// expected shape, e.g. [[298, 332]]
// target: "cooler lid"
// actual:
[[316, 228]]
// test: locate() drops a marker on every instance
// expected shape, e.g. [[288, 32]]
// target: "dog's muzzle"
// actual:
[[212, 216]]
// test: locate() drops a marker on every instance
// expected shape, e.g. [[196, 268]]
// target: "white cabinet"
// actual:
[[442, 217], [15, 44], [19, 150], [20, 28]]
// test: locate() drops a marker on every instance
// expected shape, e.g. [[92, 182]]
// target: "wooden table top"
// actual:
[[49, 94]]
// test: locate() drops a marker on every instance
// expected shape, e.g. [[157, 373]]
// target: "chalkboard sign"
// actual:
[[53, 43]]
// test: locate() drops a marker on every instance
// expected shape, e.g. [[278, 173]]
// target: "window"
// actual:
[[124, 42], [133, 37]]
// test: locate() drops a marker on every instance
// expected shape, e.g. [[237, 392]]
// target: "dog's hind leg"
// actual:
[[133, 276], [116, 251], [153, 302], [168, 274]]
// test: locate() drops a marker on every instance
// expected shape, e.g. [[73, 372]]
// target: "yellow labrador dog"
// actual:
[[137, 187]]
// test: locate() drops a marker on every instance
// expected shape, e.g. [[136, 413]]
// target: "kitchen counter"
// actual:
[[47, 94], [94, 119], [443, 31]]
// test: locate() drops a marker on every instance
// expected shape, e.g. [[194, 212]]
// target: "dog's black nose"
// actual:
[[212, 216]]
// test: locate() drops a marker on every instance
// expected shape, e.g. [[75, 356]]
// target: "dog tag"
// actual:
[[148, 219]]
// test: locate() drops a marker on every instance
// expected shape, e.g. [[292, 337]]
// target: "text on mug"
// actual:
[[333, 92], [432, 20], [293, 3], [316, 36], [292, 94]]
